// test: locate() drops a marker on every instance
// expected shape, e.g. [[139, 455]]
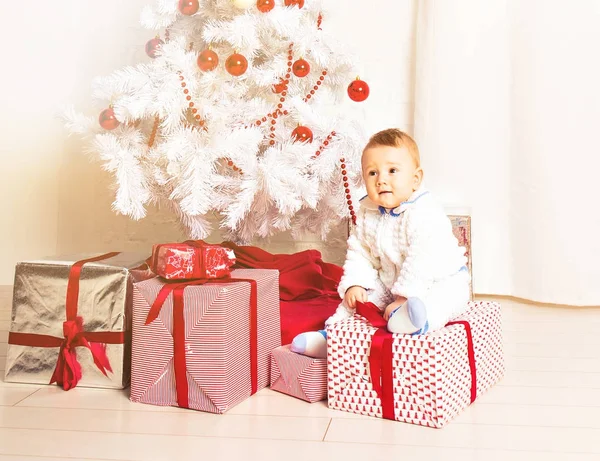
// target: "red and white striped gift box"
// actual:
[[216, 347], [298, 375], [430, 378]]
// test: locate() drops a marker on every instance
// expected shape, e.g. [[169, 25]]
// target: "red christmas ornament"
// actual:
[[236, 64], [264, 6], [189, 7], [208, 60], [302, 134], [107, 119], [301, 68], [152, 46], [279, 87], [299, 3], [358, 90]]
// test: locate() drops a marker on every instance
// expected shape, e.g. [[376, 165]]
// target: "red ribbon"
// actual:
[[68, 370], [471, 351], [381, 358], [179, 359]]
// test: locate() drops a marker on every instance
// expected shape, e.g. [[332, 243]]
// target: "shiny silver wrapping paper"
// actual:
[[105, 299]]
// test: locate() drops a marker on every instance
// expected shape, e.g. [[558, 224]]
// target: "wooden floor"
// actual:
[[547, 408]]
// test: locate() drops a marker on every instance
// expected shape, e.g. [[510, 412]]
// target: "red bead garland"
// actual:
[[188, 98], [279, 88], [316, 86], [152, 137], [324, 144], [234, 167], [347, 190]]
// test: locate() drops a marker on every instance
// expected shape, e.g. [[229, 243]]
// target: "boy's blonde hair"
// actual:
[[393, 137]]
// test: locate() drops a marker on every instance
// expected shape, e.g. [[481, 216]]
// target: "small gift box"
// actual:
[[71, 321], [191, 260], [204, 344], [423, 379], [461, 228], [298, 375]]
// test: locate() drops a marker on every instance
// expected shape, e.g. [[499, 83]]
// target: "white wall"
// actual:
[[555, 150], [462, 124], [54, 199]]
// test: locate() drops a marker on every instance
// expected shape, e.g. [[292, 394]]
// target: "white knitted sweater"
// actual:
[[408, 248]]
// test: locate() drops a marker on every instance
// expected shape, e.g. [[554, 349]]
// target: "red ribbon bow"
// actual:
[[381, 358], [179, 359], [68, 370]]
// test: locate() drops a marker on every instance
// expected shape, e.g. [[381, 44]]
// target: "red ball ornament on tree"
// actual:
[[264, 6], [236, 64], [189, 7], [358, 90], [107, 119], [152, 46], [279, 87], [208, 60], [298, 3], [301, 68], [302, 134]]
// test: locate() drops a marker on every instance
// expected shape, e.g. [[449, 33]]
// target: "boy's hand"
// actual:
[[392, 307], [354, 294]]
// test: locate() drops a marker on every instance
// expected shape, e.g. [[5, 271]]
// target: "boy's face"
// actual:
[[390, 175]]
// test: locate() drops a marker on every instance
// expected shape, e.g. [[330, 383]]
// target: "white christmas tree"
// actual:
[[239, 113]]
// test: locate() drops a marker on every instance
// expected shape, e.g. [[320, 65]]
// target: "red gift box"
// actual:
[[298, 375], [191, 260], [423, 379], [204, 344]]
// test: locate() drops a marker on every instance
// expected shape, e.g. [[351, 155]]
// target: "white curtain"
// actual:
[[507, 116]]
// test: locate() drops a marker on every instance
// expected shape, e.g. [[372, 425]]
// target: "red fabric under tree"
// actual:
[[307, 286]]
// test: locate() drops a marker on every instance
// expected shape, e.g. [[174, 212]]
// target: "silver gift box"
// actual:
[[105, 300]]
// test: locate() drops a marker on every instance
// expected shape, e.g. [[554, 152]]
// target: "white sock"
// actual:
[[410, 318], [311, 344]]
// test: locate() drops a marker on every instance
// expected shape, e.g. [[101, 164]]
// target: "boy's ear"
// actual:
[[417, 178]]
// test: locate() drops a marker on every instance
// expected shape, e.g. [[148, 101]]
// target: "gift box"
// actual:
[[461, 228], [71, 321], [191, 260], [204, 344], [298, 375], [423, 379]]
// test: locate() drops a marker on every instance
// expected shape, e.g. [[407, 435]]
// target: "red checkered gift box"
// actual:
[[298, 375], [424, 379], [204, 344]]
